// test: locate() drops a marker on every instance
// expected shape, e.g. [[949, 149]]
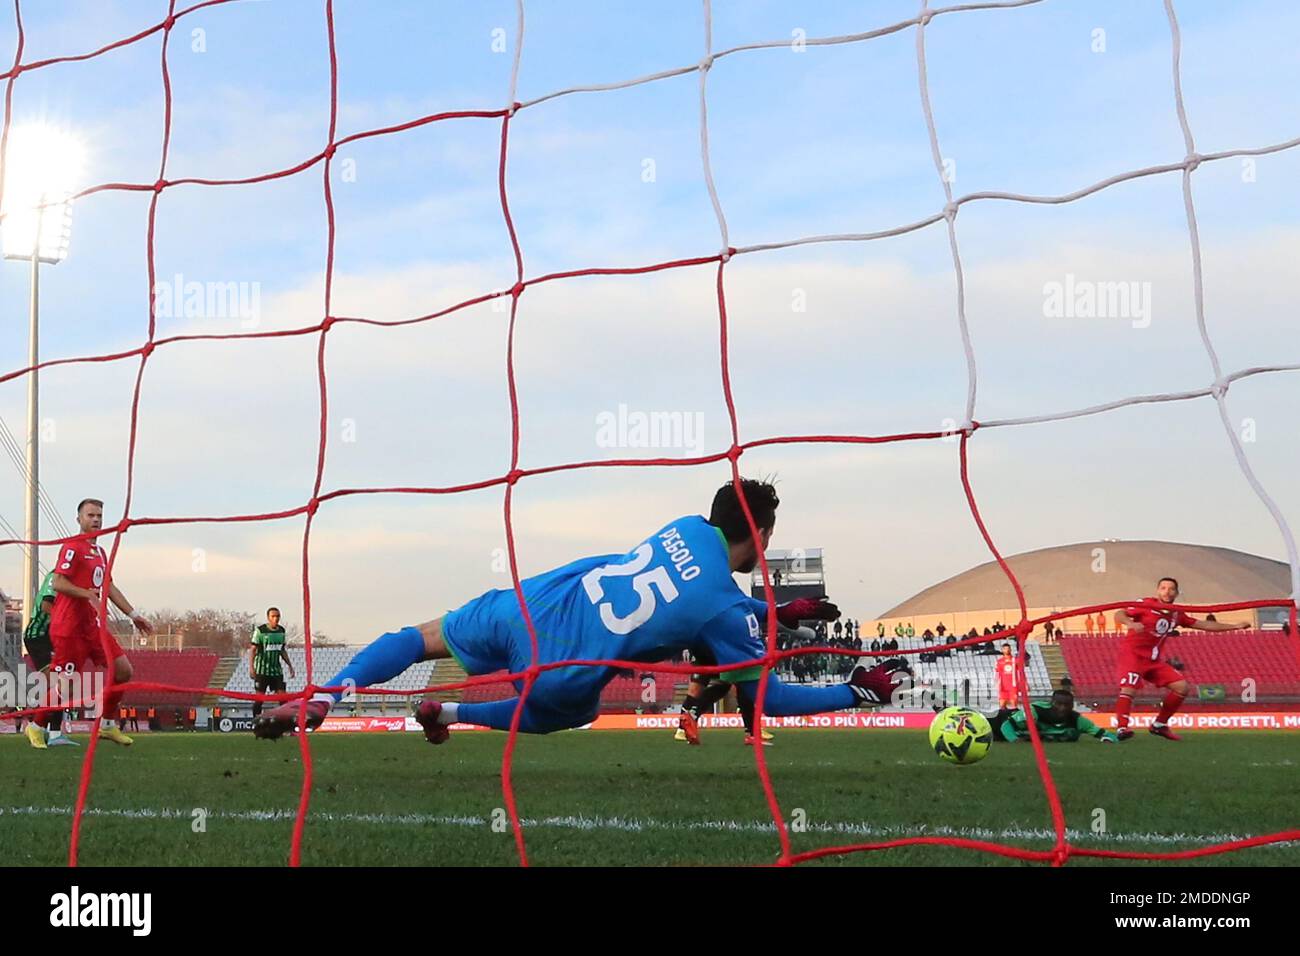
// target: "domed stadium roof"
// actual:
[[1063, 577]]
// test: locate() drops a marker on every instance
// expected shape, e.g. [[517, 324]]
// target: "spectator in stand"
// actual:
[[987, 632], [898, 630], [1049, 629], [839, 629], [940, 629], [911, 631], [1088, 624], [880, 630], [857, 642], [1101, 622], [776, 578], [1211, 617], [928, 636]]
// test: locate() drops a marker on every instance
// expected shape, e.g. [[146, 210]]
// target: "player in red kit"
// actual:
[[76, 629], [1139, 657], [1005, 671]]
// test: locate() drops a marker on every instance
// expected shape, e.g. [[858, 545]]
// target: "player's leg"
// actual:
[[60, 692], [379, 661], [1165, 676], [122, 672], [1130, 679], [260, 684], [688, 726]]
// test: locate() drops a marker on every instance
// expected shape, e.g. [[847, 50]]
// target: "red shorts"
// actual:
[[1006, 692], [1133, 669], [71, 651]]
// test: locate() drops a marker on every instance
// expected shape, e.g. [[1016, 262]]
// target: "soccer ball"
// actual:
[[961, 735]]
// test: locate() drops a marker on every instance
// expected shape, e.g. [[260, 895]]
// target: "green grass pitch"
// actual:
[[634, 798]]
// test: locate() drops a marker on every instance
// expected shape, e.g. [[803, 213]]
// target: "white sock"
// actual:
[[448, 713], [328, 698]]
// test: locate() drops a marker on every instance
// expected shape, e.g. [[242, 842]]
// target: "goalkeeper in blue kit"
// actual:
[[673, 591]]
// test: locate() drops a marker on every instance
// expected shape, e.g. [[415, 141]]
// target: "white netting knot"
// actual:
[[1192, 161], [1220, 388], [950, 211], [706, 63]]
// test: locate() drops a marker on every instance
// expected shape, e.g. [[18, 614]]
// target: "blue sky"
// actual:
[[827, 140]]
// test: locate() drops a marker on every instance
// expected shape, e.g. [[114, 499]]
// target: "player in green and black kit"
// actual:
[[45, 729], [266, 652], [1057, 722]]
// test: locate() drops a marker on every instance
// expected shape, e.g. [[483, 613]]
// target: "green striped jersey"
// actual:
[[269, 642]]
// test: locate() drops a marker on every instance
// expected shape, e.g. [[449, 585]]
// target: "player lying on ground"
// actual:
[[76, 630], [673, 591], [1056, 719], [1139, 657], [705, 690]]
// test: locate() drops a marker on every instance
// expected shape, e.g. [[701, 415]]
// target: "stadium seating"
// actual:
[[328, 661], [182, 668], [1267, 657]]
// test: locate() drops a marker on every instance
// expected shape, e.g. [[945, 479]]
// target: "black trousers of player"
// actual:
[[41, 653], [263, 684]]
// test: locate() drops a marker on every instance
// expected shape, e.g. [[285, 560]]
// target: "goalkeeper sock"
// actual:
[[1122, 707], [1173, 700], [448, 713], [380, 661]]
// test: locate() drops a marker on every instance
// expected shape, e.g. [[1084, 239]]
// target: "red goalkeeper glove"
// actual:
[[806, 609], [874, 687]]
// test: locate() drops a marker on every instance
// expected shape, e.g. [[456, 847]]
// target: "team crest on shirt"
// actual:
[[754, 630]]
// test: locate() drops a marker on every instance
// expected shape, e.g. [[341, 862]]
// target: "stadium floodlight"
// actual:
[[42, 168], [42, 165]]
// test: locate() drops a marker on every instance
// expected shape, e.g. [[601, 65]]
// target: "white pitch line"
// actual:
[[645, 825]]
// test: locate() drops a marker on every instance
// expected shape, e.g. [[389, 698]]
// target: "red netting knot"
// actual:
[[313, 506], [169, 22], [1060, 855], [147, 349], [517, 289], [1024, 628], [160, 185], [514, 108], [328, 321], [513, 476], [734, 452], [123, 525], [330, 150], [726, 254]]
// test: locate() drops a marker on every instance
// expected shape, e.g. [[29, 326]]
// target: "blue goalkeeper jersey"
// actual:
[[672, 591]]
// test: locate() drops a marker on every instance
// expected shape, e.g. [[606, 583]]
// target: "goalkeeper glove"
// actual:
[[806, 609], [875, 686]]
